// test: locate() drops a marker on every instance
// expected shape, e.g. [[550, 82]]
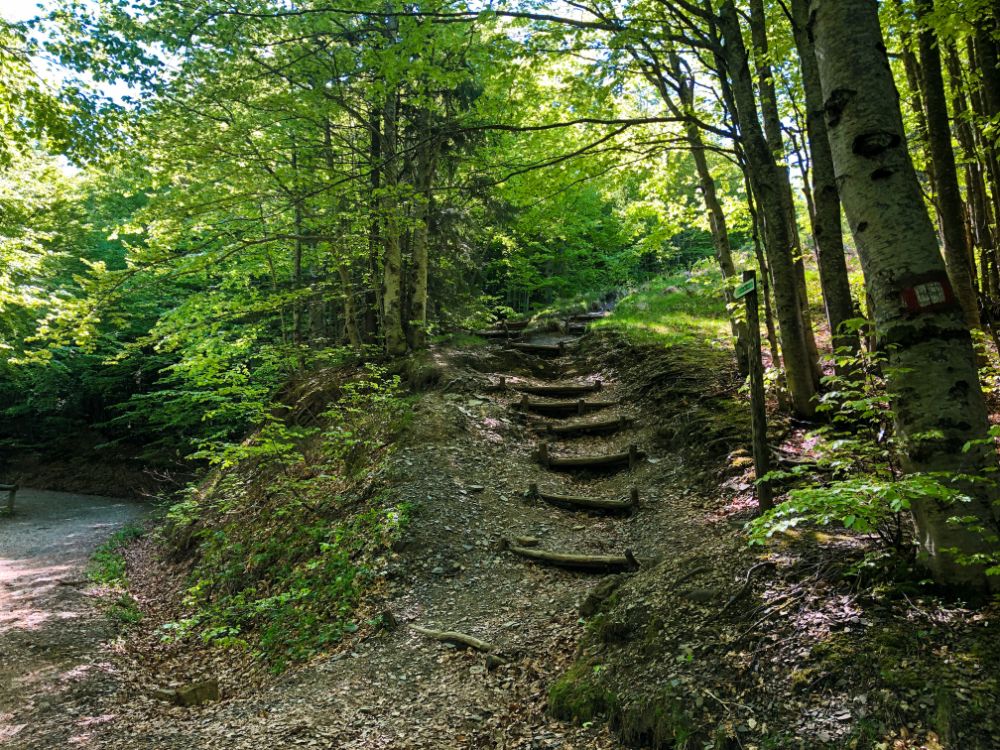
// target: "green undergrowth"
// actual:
[[285, 543], [108, 569], [681, 309]]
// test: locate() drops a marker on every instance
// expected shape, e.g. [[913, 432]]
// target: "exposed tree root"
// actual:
[[457, 638], [745, 588]]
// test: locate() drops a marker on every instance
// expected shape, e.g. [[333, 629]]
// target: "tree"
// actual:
[[933, 379]]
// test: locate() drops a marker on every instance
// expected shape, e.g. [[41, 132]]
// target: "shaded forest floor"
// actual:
[[703, 647]]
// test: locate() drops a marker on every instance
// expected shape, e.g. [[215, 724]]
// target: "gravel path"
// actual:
[[50, 627]]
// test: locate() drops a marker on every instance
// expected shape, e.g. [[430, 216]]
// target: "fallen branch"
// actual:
[[570, 561], [587, 503], [456, 638]]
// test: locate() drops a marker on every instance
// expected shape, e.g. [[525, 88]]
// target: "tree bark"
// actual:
[[716, 216], [392, 259], [767, 186], [426, 164], [826, 225], [949, 197], [775, 141], [932, 376], [978, 208]]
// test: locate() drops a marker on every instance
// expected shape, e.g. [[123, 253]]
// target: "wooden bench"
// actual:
[[11, 490]]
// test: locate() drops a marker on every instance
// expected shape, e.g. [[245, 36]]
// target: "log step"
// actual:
[[571, 561], [515, 325], [587, 428], [546, 350], [497, 334], [560, 390], [584, 463], [563, 408], [574, 502]]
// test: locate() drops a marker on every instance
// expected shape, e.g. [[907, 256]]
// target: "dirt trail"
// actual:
[[466, 477], [51, 630]]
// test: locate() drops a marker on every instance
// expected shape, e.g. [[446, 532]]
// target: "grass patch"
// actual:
[[107, 565], [675, 310], [579, 695], [108, 568]]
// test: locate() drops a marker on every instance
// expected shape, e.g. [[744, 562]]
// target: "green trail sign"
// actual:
[[745, 288]]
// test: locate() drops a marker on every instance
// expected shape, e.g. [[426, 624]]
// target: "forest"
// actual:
[[520, 374]]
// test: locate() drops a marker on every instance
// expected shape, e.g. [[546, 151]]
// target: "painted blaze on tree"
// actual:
[[932, 375]]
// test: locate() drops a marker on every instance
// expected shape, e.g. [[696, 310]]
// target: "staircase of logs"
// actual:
[[560, 411]]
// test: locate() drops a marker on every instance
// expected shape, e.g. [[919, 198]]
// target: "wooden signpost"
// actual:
[[758, 409]]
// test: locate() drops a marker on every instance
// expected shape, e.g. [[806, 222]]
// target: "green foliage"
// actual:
[[676, 310], [579, 696], [107, 565], [861, 485], [863, 504], [108, 569], [284, 544]]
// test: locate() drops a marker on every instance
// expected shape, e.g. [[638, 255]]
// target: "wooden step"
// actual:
[[571, 429], [574, 561], [543, 350], [514, 325], [575, 502], [587, 317], [563, 408], [497, 333], [589, 463], [560, 390]]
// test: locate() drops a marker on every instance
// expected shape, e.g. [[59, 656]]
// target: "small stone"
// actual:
[[192, 694], [437, 570], [476, 488], [493, 661]]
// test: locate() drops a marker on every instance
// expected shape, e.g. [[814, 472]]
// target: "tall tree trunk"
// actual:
[[985, 100], [826, 225], [373, 294], [932, 375], [911, 67], [425, 167], [350, 309], [949, 197], [775, 141], [767, 186], [392, 258], [716, 216], [978, 206]]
